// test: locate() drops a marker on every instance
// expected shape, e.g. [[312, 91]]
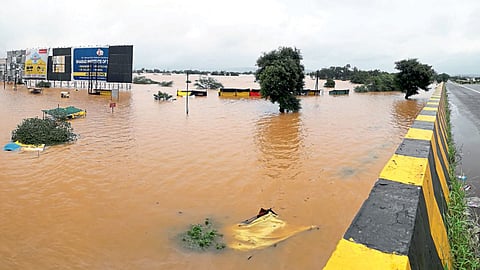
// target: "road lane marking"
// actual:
[[471, 89]]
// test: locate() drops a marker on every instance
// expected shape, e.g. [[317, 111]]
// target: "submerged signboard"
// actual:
[[90, 63], [36, 64]]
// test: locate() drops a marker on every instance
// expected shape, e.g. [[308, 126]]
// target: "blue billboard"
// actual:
[[90, 63]]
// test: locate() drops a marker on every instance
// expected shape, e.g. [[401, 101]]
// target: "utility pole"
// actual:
[[15, 80], [187, 94]]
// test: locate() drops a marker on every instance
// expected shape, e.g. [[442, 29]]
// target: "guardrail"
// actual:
[[401, 225]]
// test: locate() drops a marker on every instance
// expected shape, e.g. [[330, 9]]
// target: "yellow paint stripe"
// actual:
[[405, 169], [443, 151], [419, 134], [438, 230], [350, 255], [436, 103], [430, 109], [427, 118]]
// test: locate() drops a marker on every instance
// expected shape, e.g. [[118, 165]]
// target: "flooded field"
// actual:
[[119, 196]]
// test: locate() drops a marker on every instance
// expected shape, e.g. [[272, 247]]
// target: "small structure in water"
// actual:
[[11, 146], [36, 90], [238, 92], [310, 92], [64, 94], [69, 112], [339, 92], [16, 146], [197, 93], [101, 92]]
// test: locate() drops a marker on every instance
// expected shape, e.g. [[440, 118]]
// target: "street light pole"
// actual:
[[187, 94], [15, 80]]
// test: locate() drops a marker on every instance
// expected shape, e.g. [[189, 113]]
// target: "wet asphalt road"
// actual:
[[465, 119]]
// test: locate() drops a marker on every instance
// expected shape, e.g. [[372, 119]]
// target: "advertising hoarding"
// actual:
[[60, 64], [120, 60], [36, 64], [90, 63]]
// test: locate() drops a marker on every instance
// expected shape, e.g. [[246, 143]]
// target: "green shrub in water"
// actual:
[[202, 237], [43, 131]]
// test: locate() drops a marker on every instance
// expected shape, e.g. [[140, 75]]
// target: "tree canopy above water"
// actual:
[[413, 75], [43, 131], [281, 75]]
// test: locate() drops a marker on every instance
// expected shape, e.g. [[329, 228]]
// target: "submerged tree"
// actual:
[[329, 83], [280, 75], [413, 75], [208, 83], [43, 131]]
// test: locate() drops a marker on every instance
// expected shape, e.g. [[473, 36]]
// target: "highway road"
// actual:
[[465, 119]]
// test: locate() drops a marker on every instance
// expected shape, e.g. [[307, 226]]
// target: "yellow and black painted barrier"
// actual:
[[401, 225]]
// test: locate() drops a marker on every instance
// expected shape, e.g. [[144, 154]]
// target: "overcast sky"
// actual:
[[221, 34]]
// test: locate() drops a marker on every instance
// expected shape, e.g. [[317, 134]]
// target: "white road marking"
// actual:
[[471, 89]]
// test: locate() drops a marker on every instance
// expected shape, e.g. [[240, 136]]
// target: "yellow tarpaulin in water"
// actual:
[[263, 231]]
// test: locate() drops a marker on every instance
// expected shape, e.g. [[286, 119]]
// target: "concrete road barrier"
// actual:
[[401, 225]]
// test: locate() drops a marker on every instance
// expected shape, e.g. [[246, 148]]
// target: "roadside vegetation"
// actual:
[[48, 131], [462, 227], [202, 237]]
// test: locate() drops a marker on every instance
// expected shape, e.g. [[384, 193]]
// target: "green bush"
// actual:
[[166, 84], [208, 83], [162, 96], [360, 89], [43, 131], [329, 83], [202, 237], [43, 84], [143, 80]]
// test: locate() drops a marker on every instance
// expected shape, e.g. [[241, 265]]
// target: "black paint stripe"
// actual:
[[423, 253], [437, 187], [414, 148], [423, 125], [430, 113]]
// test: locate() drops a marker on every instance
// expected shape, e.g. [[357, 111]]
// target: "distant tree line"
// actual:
[[193, 71], [144, 80], [371, 80]]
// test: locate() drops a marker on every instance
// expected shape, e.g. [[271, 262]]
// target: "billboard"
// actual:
[[120, 60], [90, 63], [59, 65], [35, 64]]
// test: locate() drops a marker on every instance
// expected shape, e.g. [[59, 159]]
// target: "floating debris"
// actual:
[[263, 230], [473, 202]]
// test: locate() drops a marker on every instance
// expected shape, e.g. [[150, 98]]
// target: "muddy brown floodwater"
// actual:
[[119, 196]]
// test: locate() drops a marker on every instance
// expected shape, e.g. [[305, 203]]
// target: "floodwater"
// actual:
[[136, 178]]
